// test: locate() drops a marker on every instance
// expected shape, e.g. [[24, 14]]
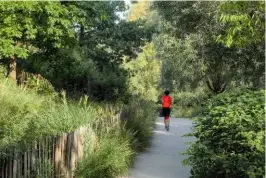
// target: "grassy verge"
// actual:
[[118, 141], [26, 116], [139, 118], [113, 141]]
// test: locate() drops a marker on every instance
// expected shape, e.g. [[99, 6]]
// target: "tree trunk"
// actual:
[[81, 35], [12, 69], [216, 84]]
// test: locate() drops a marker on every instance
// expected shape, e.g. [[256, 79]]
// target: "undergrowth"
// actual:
[[230, 137], [117, 132]]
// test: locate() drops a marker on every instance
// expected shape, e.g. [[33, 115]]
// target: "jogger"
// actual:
[[166, 104]]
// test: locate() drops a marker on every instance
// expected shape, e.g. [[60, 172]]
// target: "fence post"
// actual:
[[64, 152]]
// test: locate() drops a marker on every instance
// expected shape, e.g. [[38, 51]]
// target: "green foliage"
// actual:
[[2, 72], [145, 74], [45, 168], [110, 159], [175, 16], [30, 26], [139, 10], [27, 116], [112, 147], [184, 112], [190, 99], [181, 68], [139, 117], [221, 65], [112, 141], [245, 23], [38, 84], [230, 137], [77, 46]]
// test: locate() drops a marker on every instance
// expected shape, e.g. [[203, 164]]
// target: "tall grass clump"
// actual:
[[26, 116], [139, 117], [112, 141], [118, 139], [110, 155], [230, 137]]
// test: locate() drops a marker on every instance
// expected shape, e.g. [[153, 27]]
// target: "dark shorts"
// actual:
[[166, 112]]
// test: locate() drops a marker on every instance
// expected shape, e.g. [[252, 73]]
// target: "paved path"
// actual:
[[163, 158]]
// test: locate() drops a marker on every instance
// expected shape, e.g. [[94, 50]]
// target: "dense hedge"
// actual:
[[229, 137]]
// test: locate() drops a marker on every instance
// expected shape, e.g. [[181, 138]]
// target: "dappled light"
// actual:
[[156, 89]]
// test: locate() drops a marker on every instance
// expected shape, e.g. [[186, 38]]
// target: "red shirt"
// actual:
[[167, 101]]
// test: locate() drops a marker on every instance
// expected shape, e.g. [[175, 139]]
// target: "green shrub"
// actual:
[[139, 117], [189, 99], [230, 137], [184, 111], [37, 83]]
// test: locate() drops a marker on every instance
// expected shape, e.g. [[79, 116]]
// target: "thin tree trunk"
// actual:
[[12, 73], [216, 84], [82, 35]]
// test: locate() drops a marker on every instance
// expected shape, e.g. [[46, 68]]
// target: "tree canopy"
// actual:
[[223, 64]]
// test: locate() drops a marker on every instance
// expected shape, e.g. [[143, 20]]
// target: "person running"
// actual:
[[166, 104]]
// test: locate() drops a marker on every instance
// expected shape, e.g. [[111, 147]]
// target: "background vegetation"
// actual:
[[68, 64], [211, 52]]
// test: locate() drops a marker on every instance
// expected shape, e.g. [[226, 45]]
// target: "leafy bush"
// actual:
[[189, 99], [184, 112], [230, 137], [37, 83]]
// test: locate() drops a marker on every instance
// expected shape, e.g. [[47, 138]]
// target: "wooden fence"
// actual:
[[52, 157]]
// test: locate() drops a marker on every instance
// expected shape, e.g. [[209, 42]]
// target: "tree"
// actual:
[[244, 23], [91, 64], [139, 10], [181, 68], [145, 74], [28, 27], [223, 65]]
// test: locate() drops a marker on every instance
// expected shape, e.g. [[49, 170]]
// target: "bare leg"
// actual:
[[167, 123]]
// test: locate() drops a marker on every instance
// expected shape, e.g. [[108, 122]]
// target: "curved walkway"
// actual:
[[163, 158]]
